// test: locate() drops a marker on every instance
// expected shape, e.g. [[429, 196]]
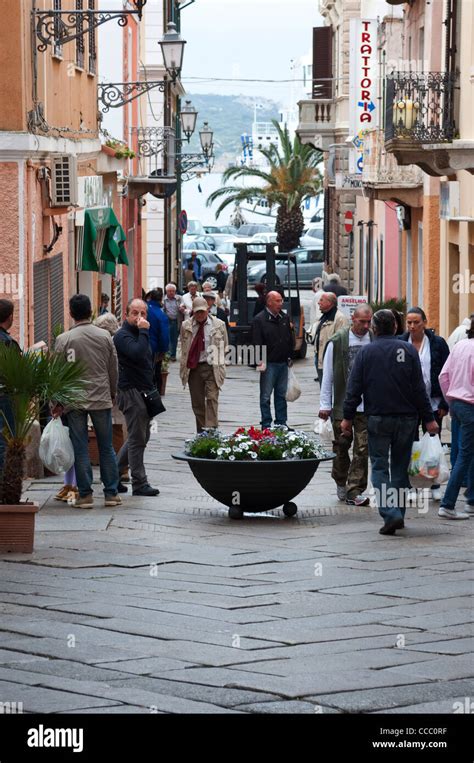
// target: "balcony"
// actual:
[[317, 122], [380, 168], [420, 125]]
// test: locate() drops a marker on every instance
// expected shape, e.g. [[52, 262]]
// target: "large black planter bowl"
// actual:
[[253, 486]]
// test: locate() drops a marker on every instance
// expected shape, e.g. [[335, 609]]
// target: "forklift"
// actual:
[[242, 305]]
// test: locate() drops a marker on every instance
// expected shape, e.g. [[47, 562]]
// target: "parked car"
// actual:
[[312, 237], [209, 262], [250, 229], [227, 229], [195, 227], [197, 244], [265, 238], [309, 264]]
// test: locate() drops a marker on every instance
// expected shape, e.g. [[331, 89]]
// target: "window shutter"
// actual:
[[41, 300], [56, 292], [322, 62]]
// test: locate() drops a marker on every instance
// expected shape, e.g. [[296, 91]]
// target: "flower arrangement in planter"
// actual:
[[254, 470], [27, 381], [249, 444]]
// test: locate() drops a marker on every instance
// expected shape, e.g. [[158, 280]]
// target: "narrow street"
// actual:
[[166, 605]]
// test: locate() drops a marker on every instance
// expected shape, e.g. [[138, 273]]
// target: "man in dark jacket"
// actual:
[[159, 331], [6, 412], [135, 358], [387, 373], [272, 330]]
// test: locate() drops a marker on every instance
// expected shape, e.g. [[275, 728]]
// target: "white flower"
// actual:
[[253, 455], [292, 438], [231, 458]]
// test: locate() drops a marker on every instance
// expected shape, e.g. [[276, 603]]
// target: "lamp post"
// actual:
[[172, 48], [188, 118], [206, 135]]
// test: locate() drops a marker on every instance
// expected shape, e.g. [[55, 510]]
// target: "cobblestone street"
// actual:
[[166, 604]]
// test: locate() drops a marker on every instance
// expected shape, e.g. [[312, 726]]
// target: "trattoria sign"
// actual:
[[363, 104]]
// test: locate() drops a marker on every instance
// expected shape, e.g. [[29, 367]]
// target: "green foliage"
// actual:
[[204, 447], [30, 380], [122, 151], [390, 304], [291, 177]]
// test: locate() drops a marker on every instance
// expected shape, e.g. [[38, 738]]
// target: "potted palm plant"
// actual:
[[29, 380]]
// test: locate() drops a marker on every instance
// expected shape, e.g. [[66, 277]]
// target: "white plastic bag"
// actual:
[[293, 390], [428, 462], [55, 449], [323, 428]]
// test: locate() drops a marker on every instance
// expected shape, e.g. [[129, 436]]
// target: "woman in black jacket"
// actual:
[[433, 352]]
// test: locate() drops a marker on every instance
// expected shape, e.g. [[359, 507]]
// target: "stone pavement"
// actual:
[[165, 605]]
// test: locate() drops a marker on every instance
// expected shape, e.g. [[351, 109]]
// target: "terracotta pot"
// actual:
[[117, 442], [109, 150], [17, 528], [164, 379]]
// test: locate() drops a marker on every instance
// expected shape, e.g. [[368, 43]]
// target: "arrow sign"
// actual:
[[367, 106]]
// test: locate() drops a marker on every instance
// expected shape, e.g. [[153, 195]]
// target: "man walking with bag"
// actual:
[[94, 347], [272, 330], [331, 320], [387, 374], [135, 359], [350, 475]]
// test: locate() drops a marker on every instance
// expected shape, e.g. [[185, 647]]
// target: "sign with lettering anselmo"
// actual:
[[363, 105]]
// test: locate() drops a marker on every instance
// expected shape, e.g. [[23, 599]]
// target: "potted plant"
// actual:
[[118, 149], [29, 380], [165, 369], [254, 470]]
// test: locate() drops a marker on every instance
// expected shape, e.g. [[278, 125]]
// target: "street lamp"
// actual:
[[172, 48], [206, 135], [188, 118]]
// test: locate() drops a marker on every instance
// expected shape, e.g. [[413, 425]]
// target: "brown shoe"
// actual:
[[63, 493]]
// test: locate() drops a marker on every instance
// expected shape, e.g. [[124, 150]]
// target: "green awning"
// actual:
[[103, 246]]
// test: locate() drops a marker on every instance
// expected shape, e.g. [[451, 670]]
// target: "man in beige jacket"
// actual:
[[331, 320], [203, 348], [95, 348]]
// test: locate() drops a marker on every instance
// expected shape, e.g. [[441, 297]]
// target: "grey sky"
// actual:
[[248, 39]]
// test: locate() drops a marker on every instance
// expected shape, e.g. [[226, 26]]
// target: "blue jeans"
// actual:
[[390, 442], [173, 336], [464, 466], [274, 379], [455, 444], [102, 422], [6, 412]]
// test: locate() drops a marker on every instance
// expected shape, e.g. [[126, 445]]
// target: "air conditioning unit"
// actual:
[[63, 180]]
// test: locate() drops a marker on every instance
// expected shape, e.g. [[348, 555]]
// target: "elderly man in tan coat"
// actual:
[[203, 351]]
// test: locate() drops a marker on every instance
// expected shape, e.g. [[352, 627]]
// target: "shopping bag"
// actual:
[[55, 448], [324, 431], [293, 390], [428, 462]]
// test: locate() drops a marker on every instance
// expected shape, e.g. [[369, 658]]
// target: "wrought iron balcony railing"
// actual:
[[420, 107]]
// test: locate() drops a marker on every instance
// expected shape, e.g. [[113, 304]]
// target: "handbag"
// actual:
[[153, 402]]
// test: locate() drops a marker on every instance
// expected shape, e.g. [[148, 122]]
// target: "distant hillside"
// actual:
[[229, 116]]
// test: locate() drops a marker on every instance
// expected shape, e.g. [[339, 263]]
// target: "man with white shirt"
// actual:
[[349, 475], [186, 306]]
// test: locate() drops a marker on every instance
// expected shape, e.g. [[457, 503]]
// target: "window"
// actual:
[[316, 255], [57, 47], [80, 40], [92, 43]]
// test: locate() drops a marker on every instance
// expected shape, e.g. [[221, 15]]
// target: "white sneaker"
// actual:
[[341, 493], [445, 513], [469, 510], [436, 493]]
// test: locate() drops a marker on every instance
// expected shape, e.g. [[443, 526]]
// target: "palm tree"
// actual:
[[292, 176], [29, 380]]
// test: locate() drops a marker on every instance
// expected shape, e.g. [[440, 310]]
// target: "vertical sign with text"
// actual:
[[363, 108]]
